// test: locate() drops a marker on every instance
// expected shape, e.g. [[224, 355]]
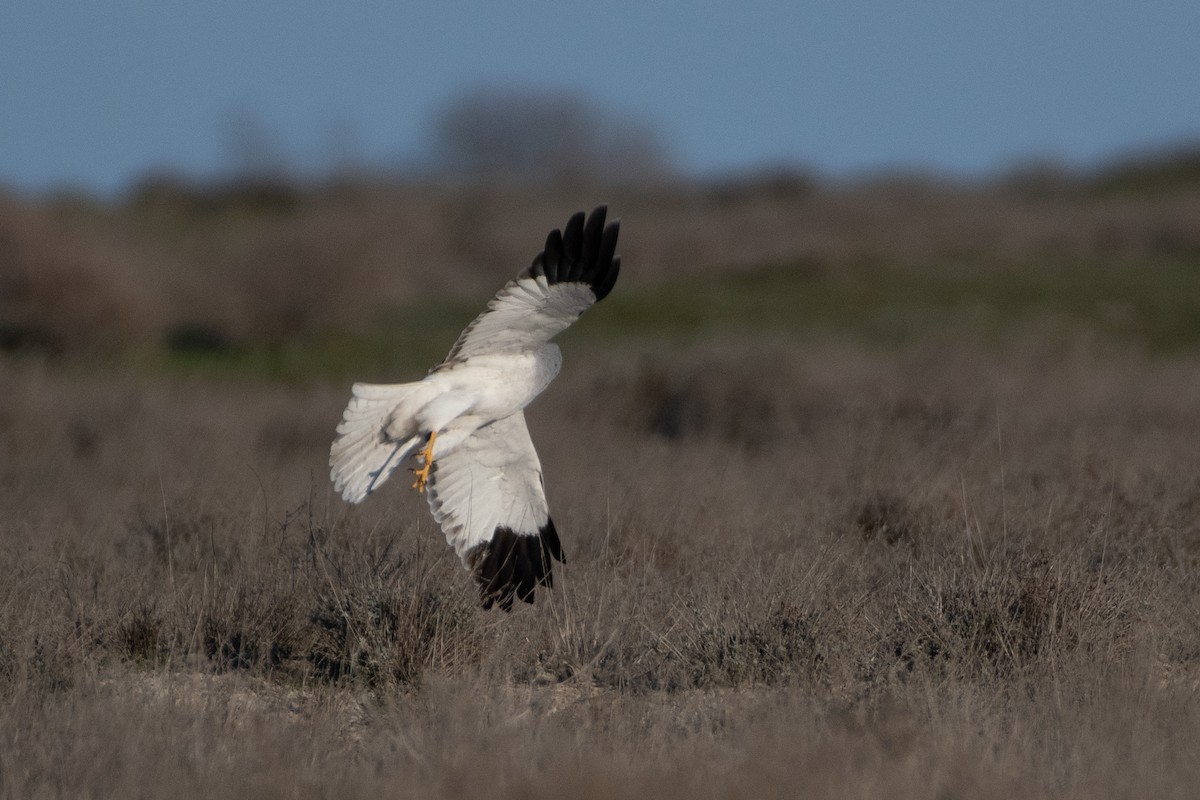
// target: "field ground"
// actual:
[[919, 522]]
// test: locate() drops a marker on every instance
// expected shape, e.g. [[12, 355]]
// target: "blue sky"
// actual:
[[94, 95]]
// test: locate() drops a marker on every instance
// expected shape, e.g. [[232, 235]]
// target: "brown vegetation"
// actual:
[[266, 262], [797, 563], [927, 571]]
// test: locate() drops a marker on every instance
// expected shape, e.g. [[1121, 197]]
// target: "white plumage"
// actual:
[[483, 476]]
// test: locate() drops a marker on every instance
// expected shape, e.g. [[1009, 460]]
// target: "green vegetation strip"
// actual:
[[1151, 304], [1154, 304]]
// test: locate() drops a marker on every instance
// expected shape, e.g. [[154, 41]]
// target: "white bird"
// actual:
[[464, 423]]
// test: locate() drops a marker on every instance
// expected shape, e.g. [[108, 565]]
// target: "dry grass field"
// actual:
[[888, 490]]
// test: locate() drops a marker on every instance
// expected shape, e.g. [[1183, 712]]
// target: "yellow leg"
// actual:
[[427, 462]]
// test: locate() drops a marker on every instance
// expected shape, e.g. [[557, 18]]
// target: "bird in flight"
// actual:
[[464, 422]]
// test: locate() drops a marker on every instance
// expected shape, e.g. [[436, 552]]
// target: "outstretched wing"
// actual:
[[576, 269], [487, 495]]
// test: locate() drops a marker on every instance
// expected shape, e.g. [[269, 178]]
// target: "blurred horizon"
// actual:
[[101, 99]]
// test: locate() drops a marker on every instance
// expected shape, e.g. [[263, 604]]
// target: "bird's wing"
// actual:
[[488, 496], [577, 268]]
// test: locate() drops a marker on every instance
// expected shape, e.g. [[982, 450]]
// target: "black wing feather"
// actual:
[[515, 564], [583, 252], [605, 285], [573, 242], [552, 256]]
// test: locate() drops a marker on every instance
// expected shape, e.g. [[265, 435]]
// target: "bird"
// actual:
[[464, 422]]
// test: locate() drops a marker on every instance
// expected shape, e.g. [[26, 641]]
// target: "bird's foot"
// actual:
[[422, 477], [426, 456]]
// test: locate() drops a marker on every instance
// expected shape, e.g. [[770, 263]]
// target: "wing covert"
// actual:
[[576, 269]]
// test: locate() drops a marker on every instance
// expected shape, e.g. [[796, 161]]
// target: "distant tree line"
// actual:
[[489, 133], [541, 134]]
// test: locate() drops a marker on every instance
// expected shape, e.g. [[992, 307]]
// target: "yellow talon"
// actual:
[[427, 460]]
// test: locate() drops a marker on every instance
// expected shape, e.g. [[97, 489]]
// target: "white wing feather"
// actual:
[[525, 314], [493, 479]]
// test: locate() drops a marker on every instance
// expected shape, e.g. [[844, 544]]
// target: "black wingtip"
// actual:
[[604, 287], [573, 237], [583, 252], [512, 565], [552, 255]]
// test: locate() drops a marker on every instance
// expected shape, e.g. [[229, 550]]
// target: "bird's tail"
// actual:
[[370, 444]]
